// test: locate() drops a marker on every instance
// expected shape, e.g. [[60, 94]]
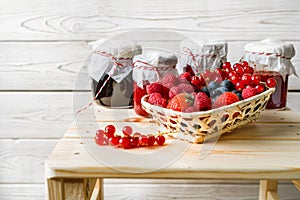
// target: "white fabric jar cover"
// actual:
[[271, 55], [114, 57], [152, 66], [202, 55]]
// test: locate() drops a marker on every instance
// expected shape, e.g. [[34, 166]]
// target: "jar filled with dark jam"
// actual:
[[110, 69], [198, 56], [272, 59], [148, 68]]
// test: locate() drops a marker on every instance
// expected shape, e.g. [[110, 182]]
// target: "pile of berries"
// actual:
[[128, 140], [210, 89]]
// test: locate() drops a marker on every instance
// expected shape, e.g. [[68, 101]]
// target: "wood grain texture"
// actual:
[[89, 20], [128, 191]]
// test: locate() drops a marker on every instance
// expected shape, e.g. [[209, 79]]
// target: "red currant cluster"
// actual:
[[129, 140]]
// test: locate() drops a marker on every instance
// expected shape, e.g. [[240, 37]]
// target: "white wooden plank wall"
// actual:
[[44, 43]]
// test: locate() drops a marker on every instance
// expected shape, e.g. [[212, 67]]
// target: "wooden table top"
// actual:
[[266, 149]]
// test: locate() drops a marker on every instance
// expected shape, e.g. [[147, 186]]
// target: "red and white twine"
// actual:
[[268, 54], [188, 51], [115, 65]]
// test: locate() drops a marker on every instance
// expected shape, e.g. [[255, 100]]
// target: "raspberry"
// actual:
[[157, 99], [169, 80], [226, 98], [174, 91], [202, 102], [187, 88], [249, 92], [155, 88]]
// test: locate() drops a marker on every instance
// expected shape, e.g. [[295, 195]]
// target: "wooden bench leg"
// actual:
[[72, 189], [268, 190], [297, 183]]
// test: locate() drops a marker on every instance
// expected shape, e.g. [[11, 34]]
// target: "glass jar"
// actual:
[[198, 56], [110, 69], [148, 68], [272, 59]]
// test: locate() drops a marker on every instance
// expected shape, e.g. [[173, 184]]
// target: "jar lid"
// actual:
[[113, 57], [152, 66], [271, 55], [202, 54]]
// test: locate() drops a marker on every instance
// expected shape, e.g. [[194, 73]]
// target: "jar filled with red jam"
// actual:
[[272, 59], [148, 68], [110, 68], [198, 56]]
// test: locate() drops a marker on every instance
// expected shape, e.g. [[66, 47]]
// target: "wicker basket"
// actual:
[[193, 127]]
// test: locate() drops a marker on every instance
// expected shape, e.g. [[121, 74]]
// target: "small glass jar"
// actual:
[[148, 68], [198, 56], [110, 68], [272, 59]]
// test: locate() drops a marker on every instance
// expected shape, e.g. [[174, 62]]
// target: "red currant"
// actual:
[[114, 141], [151, 140], [160, 140], [244, 63], [125, 142], [100, 140], [196, 81], [271, 82], [248, 69], [236, 65], [226, 65], [239, 86], [136, 134], [255, 79], [110, 130], [134, 142], [234, 79], [143, 140], [239, 70], [100, 132], [127, 130], [260, 88], [232, 73], [246, 78]]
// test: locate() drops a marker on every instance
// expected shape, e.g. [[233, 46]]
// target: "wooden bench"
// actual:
[[267, 150]]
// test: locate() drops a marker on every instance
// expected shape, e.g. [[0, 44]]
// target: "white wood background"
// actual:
[[44, 43]]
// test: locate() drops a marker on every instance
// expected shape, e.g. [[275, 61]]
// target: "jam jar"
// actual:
[[198, 56], [110, 69], [272, 59], [148, 68]]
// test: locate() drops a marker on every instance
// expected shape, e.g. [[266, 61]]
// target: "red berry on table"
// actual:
[[110, 130], [244, 63], [134, 142], [151, 140], [249, 92], [100, 132], [127, 130], [271, 82], [240, 86], [125, 142], [260, 88], [114, 141], [246, 78], [255, 79], [160, 140], [101, 140], [143, 140]]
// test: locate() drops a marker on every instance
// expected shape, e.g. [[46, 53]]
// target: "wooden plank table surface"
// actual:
[[267, 150]]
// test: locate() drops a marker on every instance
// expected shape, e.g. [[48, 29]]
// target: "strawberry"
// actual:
[[249, 92], [157, 99], [224, 99], [202, 102], [181, 102], [169, 80], [155, 87]]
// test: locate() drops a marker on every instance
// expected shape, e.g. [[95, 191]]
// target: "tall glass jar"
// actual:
[[148, 68], [110, 69], [272, 59], [198, 56]]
